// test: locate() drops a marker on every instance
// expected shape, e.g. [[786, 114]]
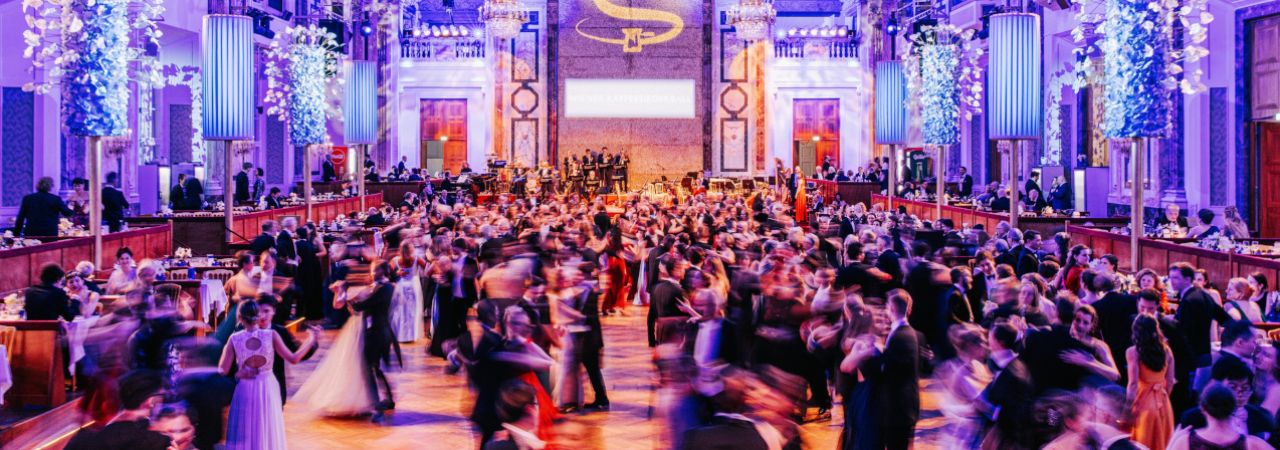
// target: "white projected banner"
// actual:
[[629, 99]]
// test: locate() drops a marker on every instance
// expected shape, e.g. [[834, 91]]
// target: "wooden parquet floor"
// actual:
[[432, 406]]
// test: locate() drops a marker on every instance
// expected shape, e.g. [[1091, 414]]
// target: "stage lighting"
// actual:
[[891, 28], [366, 29]]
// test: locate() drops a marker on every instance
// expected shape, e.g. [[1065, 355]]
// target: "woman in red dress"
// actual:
[[615, 294]]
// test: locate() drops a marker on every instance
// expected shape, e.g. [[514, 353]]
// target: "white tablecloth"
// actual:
[[77, 331], [6, 376], [213, 299]]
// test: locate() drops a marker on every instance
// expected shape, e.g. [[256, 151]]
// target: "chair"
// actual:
[[219, 274], [7, 337], [228, 262], [178, 275]]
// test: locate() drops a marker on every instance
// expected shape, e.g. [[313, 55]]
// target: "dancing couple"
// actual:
[[356, 358]]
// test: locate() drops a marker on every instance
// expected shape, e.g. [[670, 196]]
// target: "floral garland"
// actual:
[[95, 93], [939, 99], [966, 74], [1137, 37], [190, 77], [304, 95], [1053, 117], [84, 46]]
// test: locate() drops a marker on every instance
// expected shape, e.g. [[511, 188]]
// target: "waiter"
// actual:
[[39, 213], [113, 203]]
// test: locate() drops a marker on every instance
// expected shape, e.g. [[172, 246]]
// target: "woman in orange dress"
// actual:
[[802, 199], [1150, 378]]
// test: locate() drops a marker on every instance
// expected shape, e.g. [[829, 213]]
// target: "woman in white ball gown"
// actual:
[[407, 302], [256, 417], [336, 387]]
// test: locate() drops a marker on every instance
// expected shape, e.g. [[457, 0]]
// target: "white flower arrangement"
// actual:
[[302, 82], [182, 252], [1053, 116], [966, 72]]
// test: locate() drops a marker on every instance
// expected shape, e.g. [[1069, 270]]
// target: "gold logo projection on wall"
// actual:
[[634, 39]]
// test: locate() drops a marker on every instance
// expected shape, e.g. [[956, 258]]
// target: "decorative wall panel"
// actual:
[[179, 134], [17, 142]]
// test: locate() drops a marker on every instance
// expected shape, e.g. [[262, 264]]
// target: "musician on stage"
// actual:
[[590, 175]]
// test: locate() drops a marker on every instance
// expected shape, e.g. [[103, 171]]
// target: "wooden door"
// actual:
[[806, 157], [817, 123], [1267, 142], [1264, 80], [445, 121]]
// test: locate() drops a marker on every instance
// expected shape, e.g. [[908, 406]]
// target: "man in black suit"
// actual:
[[39, 213], [47, 301], [1007, 400], [1001, 201], [266, 240], [1032, 184], [666, 297], [1238, 377], [1115, 319], [327, 171], [1022, 259], [1196, 310], [1172, 216], [273, 198], [379, 338], [889, 261], [900, 371], [286, 249], [177, 192], [727, 428], [1180, 396], [193, 198], [652, 274], [966, 182], [113, 203], [927, 282], [242, 183], [1239, 344]]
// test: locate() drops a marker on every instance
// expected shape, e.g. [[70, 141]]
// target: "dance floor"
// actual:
[[432, 407]]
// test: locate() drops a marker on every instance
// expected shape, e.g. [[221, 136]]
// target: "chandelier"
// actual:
[[503, 18], [752, 19]]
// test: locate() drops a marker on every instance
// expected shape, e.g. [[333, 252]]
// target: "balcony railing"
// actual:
[[815, 49], [441, 49]]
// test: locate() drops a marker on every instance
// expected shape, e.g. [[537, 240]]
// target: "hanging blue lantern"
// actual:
[[1015, 98], [891, 103], [360, 103], [227, 77]]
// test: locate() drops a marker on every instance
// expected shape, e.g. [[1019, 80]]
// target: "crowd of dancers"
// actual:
[[759, 323]]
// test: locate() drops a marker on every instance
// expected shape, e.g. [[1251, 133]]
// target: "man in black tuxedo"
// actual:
[[242, 183], [1001, 201], [379, 338], [666, 297], [1180, 395], [47, 301], [1032, 184], [266, 240], [1022, 259], [177, 192], [1007, 400], [273, 198], [139, 393], [889, 261], [113, 203], [1196, 310], [39, 213], [927, 282], [966, 182], [900, 369], [727, 428], [1172, 216], [652, 274], [327, 171], [1239, 344], [1115, 319], [1042, 350]]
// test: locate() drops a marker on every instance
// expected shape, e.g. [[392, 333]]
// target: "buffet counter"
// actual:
[[202, 231], [1158, 254], [1047, 226], [850, 191], [392, 192], [22, 265]]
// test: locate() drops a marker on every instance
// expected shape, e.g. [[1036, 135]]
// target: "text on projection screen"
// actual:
[[629, 99]]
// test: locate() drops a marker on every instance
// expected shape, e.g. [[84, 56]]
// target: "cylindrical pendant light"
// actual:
[[227, 77], [891, 103], [1015, 98], [360, 103]]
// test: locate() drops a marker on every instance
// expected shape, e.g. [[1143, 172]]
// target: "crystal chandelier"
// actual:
[[503, 18], [752, 19]]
